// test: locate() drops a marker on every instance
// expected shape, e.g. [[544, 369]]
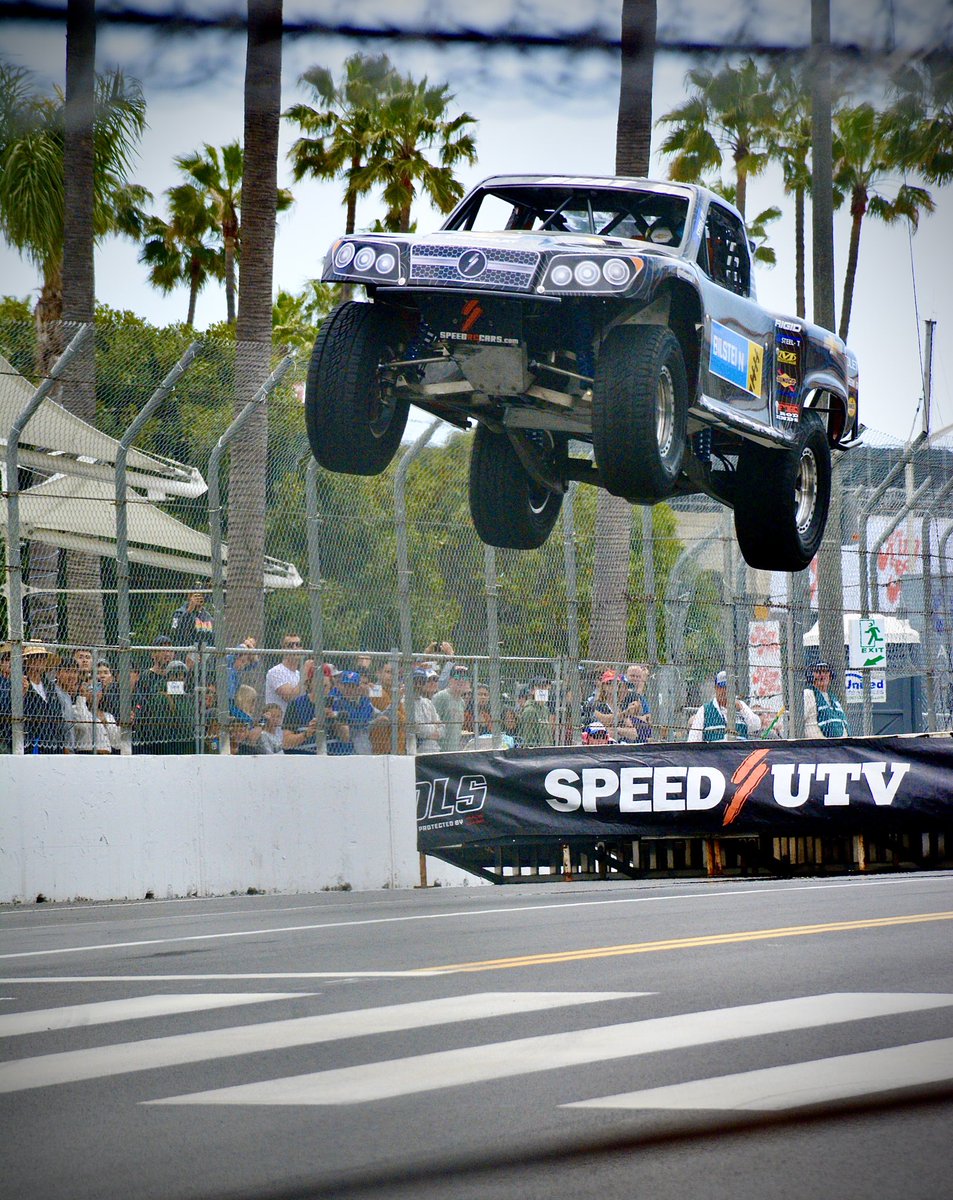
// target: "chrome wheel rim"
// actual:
[[664, 412], [805, 491]]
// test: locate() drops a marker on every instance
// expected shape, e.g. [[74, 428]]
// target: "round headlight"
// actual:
[[616, 272], [385, 262], [344, 255], [560, 275], [364, 259], [587, 273]]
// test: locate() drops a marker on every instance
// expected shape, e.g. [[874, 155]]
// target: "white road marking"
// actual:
[[818, 1082], [415, 974], [72, 1065], [503, 1060], [133, 1008], [527, 909]]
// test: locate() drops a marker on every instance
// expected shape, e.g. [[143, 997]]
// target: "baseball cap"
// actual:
[[350, 676], [721, 679], [424, 673], [459, 671], [607, 676], [328, 670], [822, 666], [177, 667], [162, 639]]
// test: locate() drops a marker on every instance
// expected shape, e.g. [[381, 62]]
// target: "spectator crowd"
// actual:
[[71, 703]]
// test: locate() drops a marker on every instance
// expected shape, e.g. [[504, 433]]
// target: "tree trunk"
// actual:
[[249, 453], [613, 534], [634, 124], [42, 574], [231, 241], [857, 209], [194, 270], [799, 296], [830, 586], [84, 609], [351, 208]]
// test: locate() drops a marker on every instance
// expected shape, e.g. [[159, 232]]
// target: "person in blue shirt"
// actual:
[[300, 720], [349, 698]]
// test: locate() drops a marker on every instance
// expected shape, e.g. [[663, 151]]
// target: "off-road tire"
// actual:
[[508, 507], [639, 412], [354, 423], [782, 498]]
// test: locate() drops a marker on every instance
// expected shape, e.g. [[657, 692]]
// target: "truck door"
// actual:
[[737, 352]]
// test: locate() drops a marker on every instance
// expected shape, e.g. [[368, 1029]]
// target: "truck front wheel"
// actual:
[[354, 417]]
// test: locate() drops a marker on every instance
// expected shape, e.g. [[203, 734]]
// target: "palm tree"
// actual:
[[84, 601], [339, 128], [180, 250], [33, 219], [413, 121], [920, 121], [862, 166], [729, 110], [217, 176], [789, 145], [613, 530], [296, 318], [259, 186], [32, 204]]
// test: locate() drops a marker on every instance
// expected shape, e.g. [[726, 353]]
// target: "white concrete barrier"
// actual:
[[108, 828]]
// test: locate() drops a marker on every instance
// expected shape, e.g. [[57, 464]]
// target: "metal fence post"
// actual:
[[215, 534], [944, 584], [403, 577], [929, 650], [911, 505], [492, 582], [123, 619], [648, 563], [573, 688], [676, 617], [315, 595], [14, 560]]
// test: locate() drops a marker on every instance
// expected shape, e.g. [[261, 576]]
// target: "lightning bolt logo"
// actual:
[[472, 313], [748, 775]]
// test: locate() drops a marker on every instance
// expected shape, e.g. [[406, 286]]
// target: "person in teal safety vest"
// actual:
[[710, 722], [823, 714]]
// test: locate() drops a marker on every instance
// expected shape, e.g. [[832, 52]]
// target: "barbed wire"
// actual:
[[886, 27]]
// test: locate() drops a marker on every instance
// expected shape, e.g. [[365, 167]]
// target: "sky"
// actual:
[[543, 111]]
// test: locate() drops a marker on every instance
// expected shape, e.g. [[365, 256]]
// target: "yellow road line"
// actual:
[[689, 943]]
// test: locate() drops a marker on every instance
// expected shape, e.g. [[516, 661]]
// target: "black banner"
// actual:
[[849, 785]]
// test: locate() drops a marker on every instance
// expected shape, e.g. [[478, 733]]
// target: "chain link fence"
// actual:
[[137, 487]]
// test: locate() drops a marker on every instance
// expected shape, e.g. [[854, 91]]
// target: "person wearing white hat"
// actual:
[[428, 727], [710, 722], [44, 730]]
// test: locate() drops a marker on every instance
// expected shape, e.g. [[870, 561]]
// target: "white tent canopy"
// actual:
[[57, 440], [80, 514]]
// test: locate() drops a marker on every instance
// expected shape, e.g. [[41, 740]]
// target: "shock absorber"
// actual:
[[701, 445]]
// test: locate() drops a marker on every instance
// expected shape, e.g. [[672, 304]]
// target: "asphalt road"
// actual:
[[727, 1039]]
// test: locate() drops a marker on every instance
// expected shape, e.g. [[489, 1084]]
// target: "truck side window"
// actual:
[[726, 249]]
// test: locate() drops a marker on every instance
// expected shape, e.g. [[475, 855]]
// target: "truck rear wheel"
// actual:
[[509, 508], [782, 498]]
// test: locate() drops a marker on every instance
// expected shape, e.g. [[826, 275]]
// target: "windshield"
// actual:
[[649, 216]]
